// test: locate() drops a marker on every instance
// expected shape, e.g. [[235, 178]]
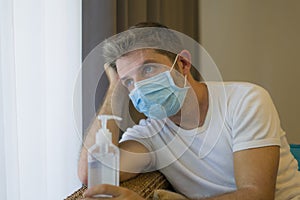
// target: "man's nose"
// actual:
[[138, 78]]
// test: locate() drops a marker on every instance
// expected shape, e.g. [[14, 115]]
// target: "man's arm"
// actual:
[[131, 152], [90, 137], [255, 174], [134, 157]]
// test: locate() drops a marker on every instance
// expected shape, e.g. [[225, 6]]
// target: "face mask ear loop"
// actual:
[[185, 77], [174, 62]]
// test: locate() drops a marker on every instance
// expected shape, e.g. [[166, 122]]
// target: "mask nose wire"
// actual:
[[185, 77]]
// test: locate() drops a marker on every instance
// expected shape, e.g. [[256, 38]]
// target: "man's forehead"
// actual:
[[137, 55], [137, 58]]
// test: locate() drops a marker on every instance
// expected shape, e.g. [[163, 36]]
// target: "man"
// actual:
[[212, 140]]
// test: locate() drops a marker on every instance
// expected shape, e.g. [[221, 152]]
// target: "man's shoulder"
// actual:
[[233, 85], [235, 88], [231, 94]]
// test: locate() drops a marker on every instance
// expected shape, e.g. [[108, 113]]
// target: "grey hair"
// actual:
[[161, 39]]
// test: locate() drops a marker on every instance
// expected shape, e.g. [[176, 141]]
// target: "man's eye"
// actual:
[[128, 82], [148, 69]]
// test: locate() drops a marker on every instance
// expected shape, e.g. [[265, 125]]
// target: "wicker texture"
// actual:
[[143, 184]]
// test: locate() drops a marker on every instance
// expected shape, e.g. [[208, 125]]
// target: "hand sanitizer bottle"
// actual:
[[104, 157]]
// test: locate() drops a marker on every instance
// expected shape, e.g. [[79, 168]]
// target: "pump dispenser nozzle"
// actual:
[[104, 118], [104, 134]]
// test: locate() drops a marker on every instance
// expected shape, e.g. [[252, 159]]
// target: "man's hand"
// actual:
[[112, 75], [118, 193], [114, 100], [95, 125]]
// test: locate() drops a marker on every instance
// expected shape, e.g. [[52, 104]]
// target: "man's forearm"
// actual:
[[91, 133], [244, 194]]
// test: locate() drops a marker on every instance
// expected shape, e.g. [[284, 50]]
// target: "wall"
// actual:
[[258, 41], [98, 23]]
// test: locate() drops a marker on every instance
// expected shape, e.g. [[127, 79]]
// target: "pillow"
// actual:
[[167, 195], [295, 149], [144, 184]]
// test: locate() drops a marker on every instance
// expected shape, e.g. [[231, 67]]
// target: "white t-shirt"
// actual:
[[199, 162]]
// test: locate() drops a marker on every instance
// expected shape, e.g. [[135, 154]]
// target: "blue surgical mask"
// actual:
[[158, 97]]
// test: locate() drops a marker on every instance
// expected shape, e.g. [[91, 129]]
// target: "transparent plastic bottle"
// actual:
[[104, 157]]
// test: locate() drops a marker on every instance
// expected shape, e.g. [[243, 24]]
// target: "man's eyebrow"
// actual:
[[124, 78], [149, 61]]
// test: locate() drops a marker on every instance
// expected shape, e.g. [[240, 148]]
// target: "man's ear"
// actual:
[[185, 58]]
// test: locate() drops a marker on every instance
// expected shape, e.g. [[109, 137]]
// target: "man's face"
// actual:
[[139, 65]]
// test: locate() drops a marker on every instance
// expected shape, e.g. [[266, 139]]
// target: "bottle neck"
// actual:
[[103, 137]]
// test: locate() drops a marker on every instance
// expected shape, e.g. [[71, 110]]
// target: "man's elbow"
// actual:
[[124, 176], [82, 176], [82, 169]]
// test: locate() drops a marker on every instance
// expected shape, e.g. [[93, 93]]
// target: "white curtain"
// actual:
[[40, 59]]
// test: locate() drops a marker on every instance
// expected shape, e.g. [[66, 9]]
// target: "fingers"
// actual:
[[103, 189], [106, 65], [117, 193], [111, 73]]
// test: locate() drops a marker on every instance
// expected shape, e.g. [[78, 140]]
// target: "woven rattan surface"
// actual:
[[143, 184]]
